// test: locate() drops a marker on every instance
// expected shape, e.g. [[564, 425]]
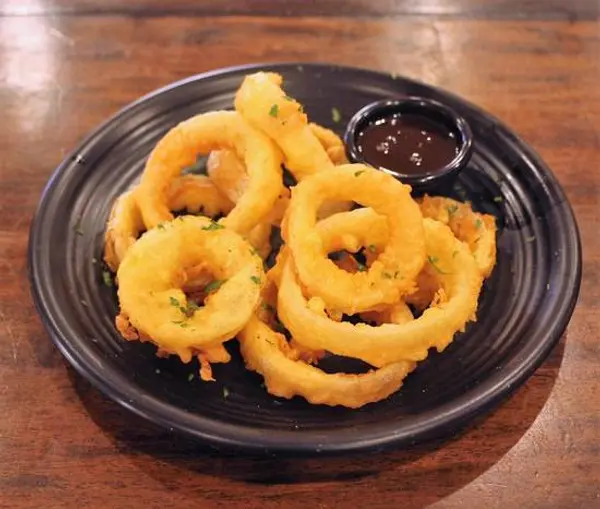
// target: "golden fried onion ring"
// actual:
[[201, 135], [263, 103], [451, 263], [392, 274], [193, 193], [477, 230], [287, 375], [229, 174], [231, 178], [153, 273]]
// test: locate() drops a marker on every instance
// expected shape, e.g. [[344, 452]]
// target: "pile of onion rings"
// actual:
[[364, 271]]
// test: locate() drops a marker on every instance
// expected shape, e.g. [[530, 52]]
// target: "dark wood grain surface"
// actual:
[[66, 65]]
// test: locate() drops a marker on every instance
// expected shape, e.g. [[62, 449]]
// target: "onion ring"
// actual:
[[193, 193], [331, 142], [456, 271], [229, 174], [477, 230], [201, 135], [231, 178], [391, 275], [153, 273], [285, 375], [263, 103]]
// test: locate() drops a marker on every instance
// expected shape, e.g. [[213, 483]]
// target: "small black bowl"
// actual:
[[431, 110]]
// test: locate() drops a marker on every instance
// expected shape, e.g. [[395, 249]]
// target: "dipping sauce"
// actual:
[[408, 144]]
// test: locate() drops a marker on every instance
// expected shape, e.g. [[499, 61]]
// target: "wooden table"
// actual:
[[66, 65]]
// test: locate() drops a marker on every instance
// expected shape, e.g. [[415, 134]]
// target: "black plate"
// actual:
[[524, 309]]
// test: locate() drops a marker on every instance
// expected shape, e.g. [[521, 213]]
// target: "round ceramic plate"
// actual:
[[524, 307]]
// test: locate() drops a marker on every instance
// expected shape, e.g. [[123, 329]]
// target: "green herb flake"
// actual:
[[454, 254], [359, 173], [190, 377], [336, 116], [192, 305], [361, 267], [189, 309], [254, 251], [225, 392], [300, 108], [213, 226], [498, 199], [213, 286], [174, 302], [452, 209], [255, 279], [433, 260], [478, 224], [274, 111], [161, 226], [371, 248], [107, 279]]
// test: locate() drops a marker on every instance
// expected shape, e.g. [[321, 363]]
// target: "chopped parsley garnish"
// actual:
[[433, 260], [359, 173], [274, 111], [498, 199], [190, 377], [213, 226], [454, 254], [174, 302], [255, 279], [452, 209], [254, 251], [336, 115], [107, 279], [371, 248], [189, 309], [213, 286], [161, 226], [478, 223]]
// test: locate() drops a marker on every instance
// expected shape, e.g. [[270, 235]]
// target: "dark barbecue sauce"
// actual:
[[408, 144]]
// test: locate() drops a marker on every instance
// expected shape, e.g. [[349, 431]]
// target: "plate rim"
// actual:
[[243, 437]]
